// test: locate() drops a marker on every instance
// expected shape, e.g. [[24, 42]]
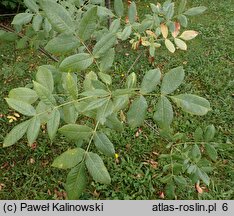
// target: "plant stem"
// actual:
[[137, 58], [95, 129]]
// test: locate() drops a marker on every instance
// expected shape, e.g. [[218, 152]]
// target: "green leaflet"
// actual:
[[137, 112], [81, 106], [183, 20], [104, 44], [120, 92], [198, 134], [104, 12], [95, 103], [170, 190], [172, 80], [164, 113], [95, 93], [76, 132], [195, 11], [180, 180], [211, 151], [209, 133], [23, 94], [33, 130], [53, 124], [88, 81], [44, 112], [192, 103], [22, 43], [115, 25], [107, 60], [170, 11], [97, 168], [103, 144], [76, 181], [69, 158], [119, 8], [132, 12], [76, 63], [71, 86], [16, 133], [150, 81], [88, 24], [58, 16], [105, 78], [120, 102], [46, 25], [37, 22], [131, 81], [114, 123], [21, 107], [124, 35], [203, 176], [182, 6], [195, 153], [22, 19], [69, 114], [104, 111], [45, 78], [44, 94], [145, 24], [32, 5], [62, 44], [8, 36]]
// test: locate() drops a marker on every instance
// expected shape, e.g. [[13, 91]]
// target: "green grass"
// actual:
[[208, 64]]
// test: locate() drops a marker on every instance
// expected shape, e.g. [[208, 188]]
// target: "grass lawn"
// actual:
[[25, 172]]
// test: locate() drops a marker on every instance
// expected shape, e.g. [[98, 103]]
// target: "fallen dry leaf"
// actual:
[[60, 194], [34, 146], [161, 195], [96, 194], [5, 165], [49, 192], [31, 161], [2, 186], [152, 163], [198, 188]]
